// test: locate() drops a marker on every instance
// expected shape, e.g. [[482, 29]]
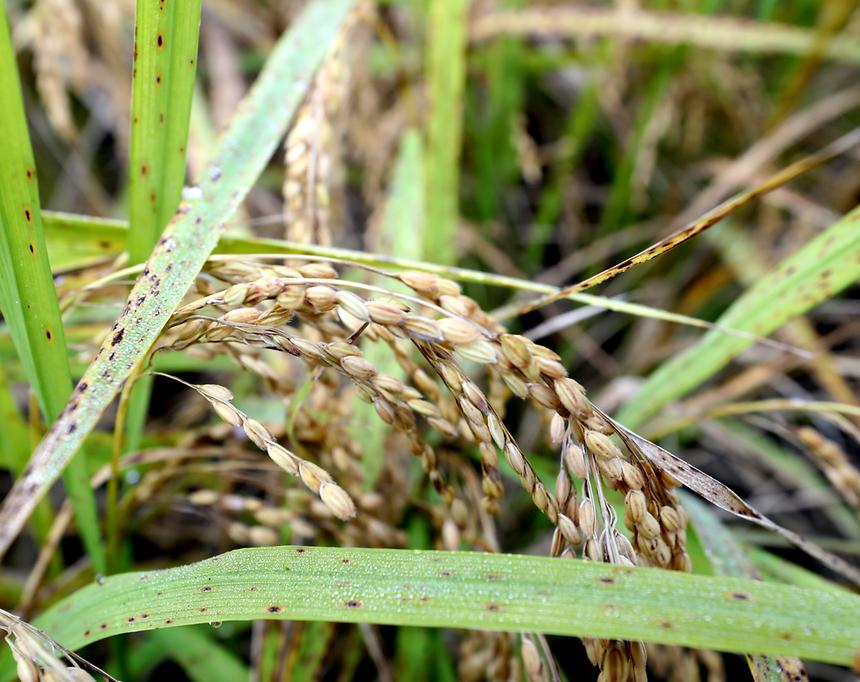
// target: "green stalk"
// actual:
[[404, 205], [446, 73], [27, 295]]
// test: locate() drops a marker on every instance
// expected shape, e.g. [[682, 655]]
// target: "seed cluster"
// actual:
[[305, 310], [314, 477]]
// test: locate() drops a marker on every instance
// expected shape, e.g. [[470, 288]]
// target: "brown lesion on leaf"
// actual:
[[158, 79], [144, 169], [352, 604], [274, 609], [31, 247], [48, 334], [739, 596], [666, 624], [606, 580], [28, 216], [117, 337], [29, 173], [160, 40], [492, 607]]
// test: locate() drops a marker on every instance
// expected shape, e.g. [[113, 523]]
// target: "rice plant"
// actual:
[[429, 341]]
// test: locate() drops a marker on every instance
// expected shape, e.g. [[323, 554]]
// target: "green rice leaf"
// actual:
[[165, 64], [467, 590], [27, 296]]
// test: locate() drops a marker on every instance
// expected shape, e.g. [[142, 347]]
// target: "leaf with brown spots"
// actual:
[[244, 150], [811, 275], [724, 497], [27, 296], [837, 148], [166, 42], [403, 587]]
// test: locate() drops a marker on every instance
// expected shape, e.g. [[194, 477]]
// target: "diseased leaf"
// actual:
[[189, 238], [466, 590], [724, 497], [27, 295], [814, 273], [165, 63], [705, 222]]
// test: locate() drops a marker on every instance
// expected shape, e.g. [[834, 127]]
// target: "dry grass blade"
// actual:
[[721, 33], [183, 249], [38, 657], [711, 218], [726, 499], [821, 268]]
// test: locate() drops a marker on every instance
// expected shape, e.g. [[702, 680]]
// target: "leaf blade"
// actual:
[[468, 590], [27, 295], [165, 58], [818, 270], [192, 234]]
